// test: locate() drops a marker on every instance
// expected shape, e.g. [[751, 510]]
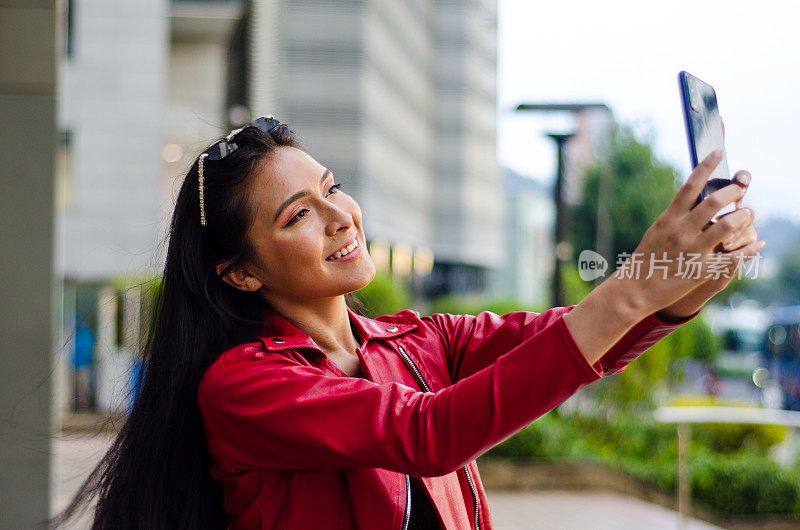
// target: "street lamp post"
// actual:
[[560, 232], [562, 249]]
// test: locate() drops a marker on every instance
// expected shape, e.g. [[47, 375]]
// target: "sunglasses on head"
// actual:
[[223, 148]]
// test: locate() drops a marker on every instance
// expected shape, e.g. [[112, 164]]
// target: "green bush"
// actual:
[[660, 471], [739, 480], [547, 437], [732, 437], [384, 296], [472, 305], [628, 437], [746, 483]]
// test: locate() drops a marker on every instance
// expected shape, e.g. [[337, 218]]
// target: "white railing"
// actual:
[[684, 416]]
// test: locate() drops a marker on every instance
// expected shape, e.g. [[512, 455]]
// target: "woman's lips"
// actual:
[[356, 252]]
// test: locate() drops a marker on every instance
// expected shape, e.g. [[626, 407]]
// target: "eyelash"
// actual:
[[297, 216]]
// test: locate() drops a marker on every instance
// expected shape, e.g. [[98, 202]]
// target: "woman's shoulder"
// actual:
[[408, 322], [241, 352], [249, 361], [437, 327], [233, 357]]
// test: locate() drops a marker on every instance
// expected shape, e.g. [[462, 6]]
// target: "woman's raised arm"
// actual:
[[473, 342], [640, 288]]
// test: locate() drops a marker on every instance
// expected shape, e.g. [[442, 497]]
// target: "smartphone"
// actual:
[[704, 133]]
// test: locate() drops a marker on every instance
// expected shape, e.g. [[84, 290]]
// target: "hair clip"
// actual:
[[200, 186], [234, 133], [223, 148]]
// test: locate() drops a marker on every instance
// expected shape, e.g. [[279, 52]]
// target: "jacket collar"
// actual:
[[279, 334]]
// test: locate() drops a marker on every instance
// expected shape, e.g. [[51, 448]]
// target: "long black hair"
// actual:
[[156, 475]]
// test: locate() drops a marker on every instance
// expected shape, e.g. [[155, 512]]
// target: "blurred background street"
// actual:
[[487, 142]]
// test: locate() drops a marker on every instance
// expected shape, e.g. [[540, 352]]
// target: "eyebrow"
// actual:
[[298, 195]]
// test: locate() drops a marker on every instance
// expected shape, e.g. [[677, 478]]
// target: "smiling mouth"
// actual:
[[343, 251]]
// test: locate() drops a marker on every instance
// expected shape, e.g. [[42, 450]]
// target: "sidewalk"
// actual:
[[567, 510], [76, 455]]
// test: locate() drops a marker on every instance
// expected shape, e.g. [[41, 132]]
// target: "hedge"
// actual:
[[728, 479]]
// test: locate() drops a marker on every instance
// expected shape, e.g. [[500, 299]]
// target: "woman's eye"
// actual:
[[301, 213], [296, 218]]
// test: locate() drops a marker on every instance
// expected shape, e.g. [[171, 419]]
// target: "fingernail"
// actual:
[[742, 178], [761, 245], [717, 153]]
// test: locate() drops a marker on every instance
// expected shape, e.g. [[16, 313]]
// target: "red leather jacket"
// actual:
[[296, 444]]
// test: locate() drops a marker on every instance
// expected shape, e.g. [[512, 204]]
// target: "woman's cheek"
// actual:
[[290, 247]]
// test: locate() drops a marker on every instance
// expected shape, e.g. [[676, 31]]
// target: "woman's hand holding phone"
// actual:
[[673, 289], [641, 287]]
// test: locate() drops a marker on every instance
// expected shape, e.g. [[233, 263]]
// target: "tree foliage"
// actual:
[[642, 188]]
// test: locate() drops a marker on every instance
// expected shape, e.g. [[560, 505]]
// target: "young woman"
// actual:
[[268, 402]]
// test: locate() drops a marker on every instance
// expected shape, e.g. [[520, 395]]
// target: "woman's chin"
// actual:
[[365, 279]]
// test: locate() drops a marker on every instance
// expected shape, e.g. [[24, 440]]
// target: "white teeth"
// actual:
[[345, 251]]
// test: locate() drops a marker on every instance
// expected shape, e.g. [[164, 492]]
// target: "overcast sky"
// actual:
[[627, 54]]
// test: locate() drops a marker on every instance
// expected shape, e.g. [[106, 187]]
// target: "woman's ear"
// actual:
[[239, 278]]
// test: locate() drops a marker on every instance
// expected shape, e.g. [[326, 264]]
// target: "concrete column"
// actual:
[[264, 64], [28, 52], [64, 385]]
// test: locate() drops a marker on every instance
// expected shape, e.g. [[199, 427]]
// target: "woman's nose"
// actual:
[[339, 219]]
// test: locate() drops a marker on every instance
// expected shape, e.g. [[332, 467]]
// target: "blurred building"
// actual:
[[111, 92], [398, 99], [140, 82], [529, 254]]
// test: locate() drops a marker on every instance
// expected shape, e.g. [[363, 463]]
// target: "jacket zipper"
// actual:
[[466, 470], [408, 503]]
